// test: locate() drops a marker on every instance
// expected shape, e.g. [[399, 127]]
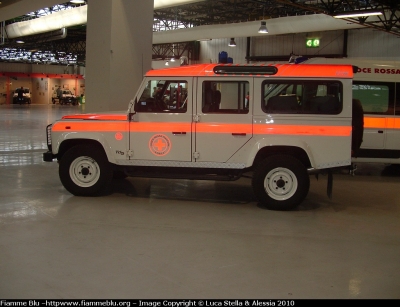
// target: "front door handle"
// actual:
[[178, 133], [239, 134]]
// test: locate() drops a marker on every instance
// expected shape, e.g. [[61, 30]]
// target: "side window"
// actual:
[[225, 97], [163, 96], [302, 97], [375, 97]]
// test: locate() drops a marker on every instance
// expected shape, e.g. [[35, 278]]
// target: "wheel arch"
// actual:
[[297, 152], [69, 143]]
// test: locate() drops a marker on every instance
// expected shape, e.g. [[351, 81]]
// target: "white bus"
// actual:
[[377, 86]]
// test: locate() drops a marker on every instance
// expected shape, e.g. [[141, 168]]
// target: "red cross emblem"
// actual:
[[159, 145]]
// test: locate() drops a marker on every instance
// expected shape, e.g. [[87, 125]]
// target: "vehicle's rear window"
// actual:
[[302, 97]]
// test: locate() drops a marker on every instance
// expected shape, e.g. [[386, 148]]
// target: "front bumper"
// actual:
[[48, 156], [20, 100], [69, 100]]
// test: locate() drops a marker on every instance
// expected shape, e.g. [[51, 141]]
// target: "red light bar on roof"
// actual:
[[245, 70]]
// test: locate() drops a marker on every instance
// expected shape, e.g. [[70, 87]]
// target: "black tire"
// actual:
[[357, 126], [118, 175], [85, 171], [281, 182]]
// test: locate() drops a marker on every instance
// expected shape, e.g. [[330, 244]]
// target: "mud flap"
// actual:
[[330, 184]]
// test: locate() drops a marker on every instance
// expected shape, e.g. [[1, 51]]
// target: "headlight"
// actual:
[[48, 136]]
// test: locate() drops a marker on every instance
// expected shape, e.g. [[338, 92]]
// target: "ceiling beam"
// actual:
[[24, 7]]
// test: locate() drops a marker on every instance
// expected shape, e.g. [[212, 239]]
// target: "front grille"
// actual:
[[48, 136]]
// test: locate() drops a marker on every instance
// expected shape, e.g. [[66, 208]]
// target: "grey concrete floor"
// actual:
[[154, 238]]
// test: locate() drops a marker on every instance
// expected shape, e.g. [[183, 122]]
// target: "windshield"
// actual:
[[25, 90]]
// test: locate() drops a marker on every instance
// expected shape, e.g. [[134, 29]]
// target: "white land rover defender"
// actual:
[[22, 95], [64, 97], [277, 123]]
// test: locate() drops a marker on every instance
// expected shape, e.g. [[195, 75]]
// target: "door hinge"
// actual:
[[196, 155], [130, 153]]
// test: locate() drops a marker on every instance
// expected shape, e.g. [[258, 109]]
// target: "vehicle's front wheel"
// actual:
[[281, 182], [85, 171]]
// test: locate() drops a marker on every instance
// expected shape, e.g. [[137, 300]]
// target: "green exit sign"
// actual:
[[312, 43]]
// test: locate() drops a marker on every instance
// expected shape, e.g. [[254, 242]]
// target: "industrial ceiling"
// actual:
[[72, 42]]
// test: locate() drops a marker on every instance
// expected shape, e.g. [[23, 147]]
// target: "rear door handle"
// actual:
[[380, 131], [239, 134], [178, 133]]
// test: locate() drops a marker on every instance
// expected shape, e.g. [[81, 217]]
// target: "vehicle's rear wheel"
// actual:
[[85, 171], [281, 182]]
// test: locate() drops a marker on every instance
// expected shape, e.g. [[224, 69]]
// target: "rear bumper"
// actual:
[[69, 100], [48, 156], [20, 100]]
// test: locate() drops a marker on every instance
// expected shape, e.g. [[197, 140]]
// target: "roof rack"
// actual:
[[245, 70]]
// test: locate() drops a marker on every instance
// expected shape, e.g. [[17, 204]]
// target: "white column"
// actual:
[[118, 52]]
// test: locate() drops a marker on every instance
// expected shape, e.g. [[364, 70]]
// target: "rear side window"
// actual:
[[225, 97], [302, 97], [375, 97]]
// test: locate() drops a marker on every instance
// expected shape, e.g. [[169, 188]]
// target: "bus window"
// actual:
[[375, 97]]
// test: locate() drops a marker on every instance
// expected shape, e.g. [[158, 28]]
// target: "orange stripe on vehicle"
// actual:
[[274, 129], [371, 122], [90, 126], [382, 123], [160, 127], [224, 128], [284, 70], [204, 128], [393, 123], [303, 130], [122, 126]]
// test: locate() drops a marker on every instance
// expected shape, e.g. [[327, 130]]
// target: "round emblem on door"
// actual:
[[159, 145], [119, 136]]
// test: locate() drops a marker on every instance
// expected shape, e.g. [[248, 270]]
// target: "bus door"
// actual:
[[377, 99]]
